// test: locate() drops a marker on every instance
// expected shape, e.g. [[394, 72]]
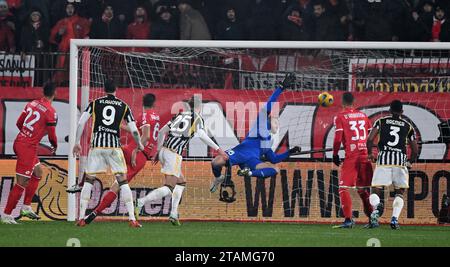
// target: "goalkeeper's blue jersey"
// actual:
[[258, 140]]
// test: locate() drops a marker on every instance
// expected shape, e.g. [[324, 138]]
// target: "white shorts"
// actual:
[[101, 159], [170, 162], [387, 175]]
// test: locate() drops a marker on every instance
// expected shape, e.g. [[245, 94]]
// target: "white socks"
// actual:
[[127, 197], [85, 196], [374, 200], [397, 206], [156, 194], [176, 197]]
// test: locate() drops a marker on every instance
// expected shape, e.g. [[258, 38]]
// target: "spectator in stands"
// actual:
[[34, 34], [324, 27], [7, 28], [293, 26], [261, 24], [306, 9], [423, 18], [440, 29], [165, 27], [107, 26], [28, 5], [373, 21], [339, 13], [192, 23], [139, 29], [58, 9], [230, 28], [71, 27], [123, 9]]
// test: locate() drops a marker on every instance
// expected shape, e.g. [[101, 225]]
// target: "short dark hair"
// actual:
[[148, 100], [347, 98], [49, 89], [396, 107], [195, 101], [110, 86]]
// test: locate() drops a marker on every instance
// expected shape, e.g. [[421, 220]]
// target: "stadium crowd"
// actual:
[[48, 25]]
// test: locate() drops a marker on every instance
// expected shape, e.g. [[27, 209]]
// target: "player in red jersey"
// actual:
[[148, 123], [37, 120], [352, 130]]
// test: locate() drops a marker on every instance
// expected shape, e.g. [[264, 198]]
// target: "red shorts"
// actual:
[[141, 159], [356, 172], [26, 158]]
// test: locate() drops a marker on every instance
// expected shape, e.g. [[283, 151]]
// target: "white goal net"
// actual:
[[234, 81]]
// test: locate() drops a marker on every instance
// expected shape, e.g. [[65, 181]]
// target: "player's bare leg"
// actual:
[[377, 207], [158, 193], [346, 204], [85, 196], [397, 207], [106, 201], [262, 170], [30, 191], [217, 164], [176, 198], [127, 197], [13, 198]]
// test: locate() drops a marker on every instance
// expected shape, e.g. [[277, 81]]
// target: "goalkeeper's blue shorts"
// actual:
[[241, 156]]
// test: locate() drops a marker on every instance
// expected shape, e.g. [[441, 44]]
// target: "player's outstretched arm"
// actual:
[[277, 158], [209, 142], [288, 81]]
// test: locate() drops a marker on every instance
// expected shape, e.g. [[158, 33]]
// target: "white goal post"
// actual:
[[77, 44]]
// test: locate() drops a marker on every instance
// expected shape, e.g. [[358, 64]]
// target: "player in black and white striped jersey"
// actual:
[[172, 140], [105, 152], [395, 133]]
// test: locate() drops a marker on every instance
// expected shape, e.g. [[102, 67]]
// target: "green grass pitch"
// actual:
[[216, 234]]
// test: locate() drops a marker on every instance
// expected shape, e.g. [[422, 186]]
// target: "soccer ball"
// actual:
[[325, 99]]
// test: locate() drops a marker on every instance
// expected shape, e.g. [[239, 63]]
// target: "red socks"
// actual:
[[13, 198], [364, 195], [109, 197], [30, 191], [346, 202]]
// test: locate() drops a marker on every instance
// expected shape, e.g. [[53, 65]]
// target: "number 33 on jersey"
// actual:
[[355, 126]]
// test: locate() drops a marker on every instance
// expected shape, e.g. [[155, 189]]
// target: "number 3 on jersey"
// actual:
[[29, 124], [360, 131], [394, 132]]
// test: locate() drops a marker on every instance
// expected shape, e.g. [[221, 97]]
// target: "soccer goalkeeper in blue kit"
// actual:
[[256, 145]]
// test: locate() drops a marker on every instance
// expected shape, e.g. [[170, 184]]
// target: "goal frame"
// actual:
[[77, 44]]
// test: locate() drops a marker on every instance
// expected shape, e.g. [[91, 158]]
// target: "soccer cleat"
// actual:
[[374, 216], [29, 213], [81, 223], [244, 172], [371, 225], [90, 217], [74, 189], [348, 224], [215, 184], [174, 221], [8, 219], [394, 223], [135, 224]]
